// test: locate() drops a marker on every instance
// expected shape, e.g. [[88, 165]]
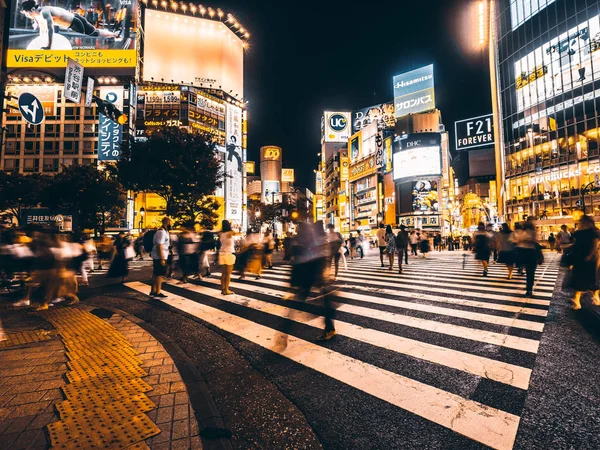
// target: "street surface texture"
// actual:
[[436, 357]]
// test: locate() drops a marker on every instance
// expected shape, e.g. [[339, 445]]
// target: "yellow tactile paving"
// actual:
[[106, 398]]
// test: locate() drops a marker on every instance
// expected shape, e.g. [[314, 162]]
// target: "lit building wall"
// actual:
[[548, 67]]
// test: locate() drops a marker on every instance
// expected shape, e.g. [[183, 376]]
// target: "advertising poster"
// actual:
[[567, 62], [95, 34], [425, 197], [287, 175], [337, 126], [270, 191], [155, 109], [234, 164], [250, 167], [417, 162], [382, 115], [387, 154], [207, 114], [414, 91], [355, 145], [169, 41], [45, 94]]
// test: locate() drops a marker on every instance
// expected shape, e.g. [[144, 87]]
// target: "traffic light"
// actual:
[[111, 111]]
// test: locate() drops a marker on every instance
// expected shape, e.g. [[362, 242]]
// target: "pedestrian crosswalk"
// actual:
[[438, 341]]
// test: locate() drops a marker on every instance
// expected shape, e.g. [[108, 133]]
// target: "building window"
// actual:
[[13, 130], [50, 165], [12, 148], [32, 147], [9, 164], [51, 130], [33, 131], [66, 162], [30, 165]]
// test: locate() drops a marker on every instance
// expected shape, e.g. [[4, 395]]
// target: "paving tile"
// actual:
[[42, 420], [29, 438], [195, 443], [29, 409], [165, 434], [5, 412], [181, 412], [181, 444], [181, 398], [181, 429], [19, 424], [152, 379], [169, 368], [54, 384], [161, 446], [23, 399], [53, 394], [161, 389], [169, 377], [152, 363], [4, 399], [23, 388], [178, 386], [164, 415]]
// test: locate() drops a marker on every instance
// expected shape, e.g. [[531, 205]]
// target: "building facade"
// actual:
[[547, 57]]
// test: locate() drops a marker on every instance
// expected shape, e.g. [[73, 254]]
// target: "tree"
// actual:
[[179, 166], [89, 193], [18, 192]]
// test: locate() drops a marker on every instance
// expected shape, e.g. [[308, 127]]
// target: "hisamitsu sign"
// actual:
[[474, 132]]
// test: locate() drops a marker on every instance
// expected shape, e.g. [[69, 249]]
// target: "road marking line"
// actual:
[[474, 334], [480, 366], [484, 424]]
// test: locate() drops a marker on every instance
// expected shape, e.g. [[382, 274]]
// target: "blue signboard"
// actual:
[[31, 108], [110, 136]]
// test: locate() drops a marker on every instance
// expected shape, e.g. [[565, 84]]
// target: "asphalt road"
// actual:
[[436, 357]]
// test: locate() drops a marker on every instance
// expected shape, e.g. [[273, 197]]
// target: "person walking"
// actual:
[[119, 267], [206, 244], [506, 249], [402, 245], [269, 246], [226, 256], [382, 242], [482, 246], [552, 241], [105, 248], [584, 272], [88, 264], [526, 243], [424, 245], [187, 249], [160, 255], [564, 239], [414, 242], [360, 240], [335, 240], [391, 245], [489, 228], [352, 241], [138, 246]]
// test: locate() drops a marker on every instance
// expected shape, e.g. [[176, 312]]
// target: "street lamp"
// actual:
[[142, 212]]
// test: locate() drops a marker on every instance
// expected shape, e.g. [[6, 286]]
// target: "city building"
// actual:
[[254, 188], [152, 82], [270, 173], [546, 57]]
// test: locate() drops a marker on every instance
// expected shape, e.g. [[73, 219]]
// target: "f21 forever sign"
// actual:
[[474, 132]]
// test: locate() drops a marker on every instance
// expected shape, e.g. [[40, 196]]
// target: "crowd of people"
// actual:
[[45, 263]]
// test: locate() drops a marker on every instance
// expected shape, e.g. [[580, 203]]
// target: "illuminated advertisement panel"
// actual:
[[567, 62], [207, 114], [102, 34], [336, 126], [417, 162], [156, 109], [414, 91], [170, 41], [234, 165], [45, 94], [382, 114]]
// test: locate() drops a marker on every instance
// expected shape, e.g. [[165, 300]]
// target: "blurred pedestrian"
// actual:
[[226, 256], [526, 242], [564, 239], [138, 246], [552, 241], [268, 247], [207, 244], [335, 240], [584, 275], [402, 240], [105, 247], [352, 241], [119, 267], [88, 264], [188, 253], [414, 242], [160, 255], [489, 228], [391, 245], [424, 245], [506, 249], [481, 247]]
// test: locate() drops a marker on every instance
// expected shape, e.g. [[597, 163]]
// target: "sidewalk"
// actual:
[[89, 378]]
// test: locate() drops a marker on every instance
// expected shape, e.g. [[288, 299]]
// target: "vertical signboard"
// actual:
[[73, 81], [89, 92], [110, 133], [234, 164]]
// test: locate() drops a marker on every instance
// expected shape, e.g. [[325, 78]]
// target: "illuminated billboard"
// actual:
[[190, 50], [414, 91], [287, 175], [101, 36], [382, 114], [336, 126], [425, 197], [523, 10], [474, 132], [234, 165], [563, 64], [417, 161]]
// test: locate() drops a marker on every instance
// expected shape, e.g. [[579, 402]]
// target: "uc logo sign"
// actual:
[[338, 122]]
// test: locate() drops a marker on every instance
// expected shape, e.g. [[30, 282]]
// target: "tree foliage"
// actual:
[[90, 193], [179, 166], [18, 192]]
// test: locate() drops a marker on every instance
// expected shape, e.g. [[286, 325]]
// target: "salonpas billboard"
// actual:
[[414, 91]]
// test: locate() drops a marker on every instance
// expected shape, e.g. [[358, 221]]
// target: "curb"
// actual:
[[212, 428]]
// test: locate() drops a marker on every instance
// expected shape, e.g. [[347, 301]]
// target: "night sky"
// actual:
[[311, 56]]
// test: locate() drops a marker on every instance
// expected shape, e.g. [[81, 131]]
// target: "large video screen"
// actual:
[[95, 34], [417, 162], [186, 50], [567, 62]]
